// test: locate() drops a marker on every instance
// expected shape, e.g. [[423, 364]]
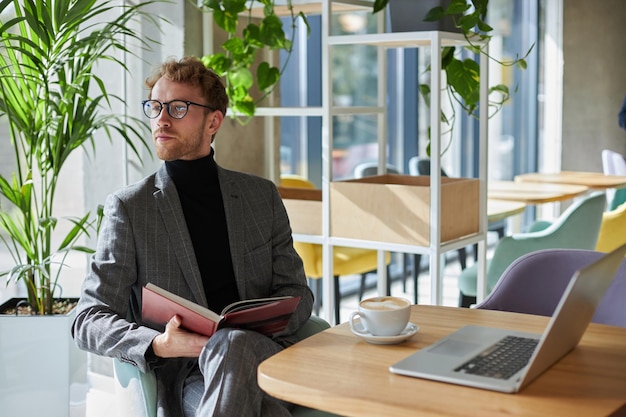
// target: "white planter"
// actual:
[[38, 363]]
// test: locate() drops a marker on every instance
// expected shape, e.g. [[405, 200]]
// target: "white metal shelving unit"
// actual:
[[435, 41]]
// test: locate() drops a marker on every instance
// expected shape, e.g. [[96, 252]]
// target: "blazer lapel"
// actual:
[[233, 208], [172, 216]]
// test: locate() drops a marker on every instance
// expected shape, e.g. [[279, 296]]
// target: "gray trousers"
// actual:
[[225, 382]]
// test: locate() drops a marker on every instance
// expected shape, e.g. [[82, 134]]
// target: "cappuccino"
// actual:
[[382, 316], [384, 303]]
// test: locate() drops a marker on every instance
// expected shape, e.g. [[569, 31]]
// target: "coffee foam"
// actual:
[[384, 304]]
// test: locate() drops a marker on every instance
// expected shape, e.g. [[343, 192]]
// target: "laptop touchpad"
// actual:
[[454, 347]]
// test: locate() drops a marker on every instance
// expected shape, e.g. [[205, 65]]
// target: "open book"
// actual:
[[268, 316]]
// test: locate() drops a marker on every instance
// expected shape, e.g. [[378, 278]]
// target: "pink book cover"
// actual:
[[268, 316]]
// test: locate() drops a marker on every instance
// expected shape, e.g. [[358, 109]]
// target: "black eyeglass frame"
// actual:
[[167, 105]]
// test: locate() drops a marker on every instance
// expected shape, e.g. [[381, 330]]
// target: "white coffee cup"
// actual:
[[382, 316]]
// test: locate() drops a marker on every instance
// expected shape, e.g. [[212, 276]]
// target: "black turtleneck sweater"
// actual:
[[201, 198]]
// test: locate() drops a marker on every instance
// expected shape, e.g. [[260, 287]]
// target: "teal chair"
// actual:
[[136, 391], [576, 228]]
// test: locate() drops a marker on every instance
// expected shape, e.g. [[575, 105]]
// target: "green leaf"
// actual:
[[302, 16], [245, 107], [483, 27], [434, 14], [252, 36], [463, 77], [241, 77], [271, 32], [500, 88], [218, 63], [80, 228], [379, 5], [447, 56], [232, 6], [468, 22], [424, 90], [267, 76], [225, 20], [235, 46], [457, 7]]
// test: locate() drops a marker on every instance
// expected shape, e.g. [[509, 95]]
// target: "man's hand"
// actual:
[[176, 342]]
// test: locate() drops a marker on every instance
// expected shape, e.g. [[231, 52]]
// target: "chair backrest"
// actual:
[[367, 169], [534, 284], [612, 230], [576, 228], [295, 181], [420, 165], [613, 163], [309, 253]]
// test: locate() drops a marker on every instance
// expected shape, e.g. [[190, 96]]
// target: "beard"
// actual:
[[192, 145]]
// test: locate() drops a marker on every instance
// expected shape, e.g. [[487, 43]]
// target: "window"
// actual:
[[513, 131]]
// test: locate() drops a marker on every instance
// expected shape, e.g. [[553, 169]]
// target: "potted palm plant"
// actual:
[[53, 102]]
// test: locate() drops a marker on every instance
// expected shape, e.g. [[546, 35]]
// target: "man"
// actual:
[[208, 234]]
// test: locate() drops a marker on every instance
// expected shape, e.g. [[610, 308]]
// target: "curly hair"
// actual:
[[191, 70]]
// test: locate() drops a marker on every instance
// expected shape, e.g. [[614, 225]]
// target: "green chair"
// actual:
[[136, 391], [576, 228]]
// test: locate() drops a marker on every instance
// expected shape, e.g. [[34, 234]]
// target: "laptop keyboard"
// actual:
[[503, 359]]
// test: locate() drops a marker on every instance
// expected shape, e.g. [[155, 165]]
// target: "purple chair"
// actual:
[[534, 284]]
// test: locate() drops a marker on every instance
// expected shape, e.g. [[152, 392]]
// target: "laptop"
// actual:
[[468, 355]]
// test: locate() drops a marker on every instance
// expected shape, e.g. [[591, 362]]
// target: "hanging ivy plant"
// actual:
[[248, 36], [463, 75]]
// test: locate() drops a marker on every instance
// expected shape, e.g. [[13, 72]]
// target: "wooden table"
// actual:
[[533, 192], [498, 210], [595, 180], [338, 372]]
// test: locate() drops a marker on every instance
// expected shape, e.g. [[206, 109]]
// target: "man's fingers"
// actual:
[[174, 323]]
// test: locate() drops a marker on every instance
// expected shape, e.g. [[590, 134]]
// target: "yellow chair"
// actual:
[[346, 260], [612, 229]]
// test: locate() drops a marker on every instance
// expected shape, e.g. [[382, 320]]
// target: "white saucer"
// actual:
[[408, 331]]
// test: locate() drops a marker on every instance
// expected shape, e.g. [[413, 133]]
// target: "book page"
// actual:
[[246, 304]]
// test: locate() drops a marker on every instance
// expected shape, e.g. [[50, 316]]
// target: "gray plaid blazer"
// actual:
[[144, 238]]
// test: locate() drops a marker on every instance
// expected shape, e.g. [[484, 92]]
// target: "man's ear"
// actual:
[[216, 119], [213, 124]]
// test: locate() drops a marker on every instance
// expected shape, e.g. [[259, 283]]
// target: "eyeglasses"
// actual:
[[177, 109]]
